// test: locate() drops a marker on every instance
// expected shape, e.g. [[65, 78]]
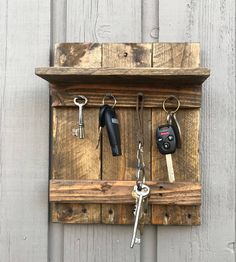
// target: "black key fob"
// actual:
[[165, 139], [108, 118]]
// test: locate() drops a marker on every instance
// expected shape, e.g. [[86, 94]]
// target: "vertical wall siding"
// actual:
[[24, 44], [28, 31], [212, 23]]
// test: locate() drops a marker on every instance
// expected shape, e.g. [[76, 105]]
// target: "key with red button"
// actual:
[[166, 143]]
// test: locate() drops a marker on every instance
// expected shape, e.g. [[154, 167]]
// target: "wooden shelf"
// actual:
[[66, 75]]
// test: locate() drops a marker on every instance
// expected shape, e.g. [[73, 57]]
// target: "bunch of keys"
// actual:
[[168, 137], [140, 193], [80, 101], [108, 118]]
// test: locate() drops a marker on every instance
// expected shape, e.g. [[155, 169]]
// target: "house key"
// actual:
[[141, 195], [80, 101]]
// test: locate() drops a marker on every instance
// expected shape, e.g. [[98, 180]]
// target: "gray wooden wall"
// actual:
[[28, 31]]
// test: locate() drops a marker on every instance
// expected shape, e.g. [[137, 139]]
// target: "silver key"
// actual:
[[170, 169], [142, 194], [77, 101]]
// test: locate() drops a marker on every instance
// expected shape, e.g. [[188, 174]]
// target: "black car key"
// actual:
[[166, 143], [166, 140]]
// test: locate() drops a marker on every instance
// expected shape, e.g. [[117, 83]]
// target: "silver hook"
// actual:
[[109, 96], [170, 98]]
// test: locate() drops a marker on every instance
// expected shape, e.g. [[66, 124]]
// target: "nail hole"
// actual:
[[110, 211], [167, 215], [125, 54], [160, 194], [161, 187], [84, 210], [189, 216]]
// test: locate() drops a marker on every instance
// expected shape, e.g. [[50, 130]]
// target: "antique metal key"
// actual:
[[141, 194], [80, 101]]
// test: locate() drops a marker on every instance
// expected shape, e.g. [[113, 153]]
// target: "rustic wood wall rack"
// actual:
[[91, 186]]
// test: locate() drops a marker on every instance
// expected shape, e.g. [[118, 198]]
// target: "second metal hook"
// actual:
[[109, 96]]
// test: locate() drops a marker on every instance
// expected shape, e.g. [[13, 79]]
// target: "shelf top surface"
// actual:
[[64, 75]]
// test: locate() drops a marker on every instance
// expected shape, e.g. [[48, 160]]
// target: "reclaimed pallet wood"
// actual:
[[76, 159], [116, 192]]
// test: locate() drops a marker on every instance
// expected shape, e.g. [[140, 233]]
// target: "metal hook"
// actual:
[[170, 98], [109, 96]]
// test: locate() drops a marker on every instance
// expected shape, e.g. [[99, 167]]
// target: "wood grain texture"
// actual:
[[181, 76], [176, 55], [124, 167], [191, 21], [74, 158], [186, 159], [74, 55], [24, 44], [190, 95], [150, 33], [103, 21], [117, 192]]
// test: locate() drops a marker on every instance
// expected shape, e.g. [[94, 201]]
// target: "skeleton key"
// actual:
[[80, 131], [166, 143], [141, 195]]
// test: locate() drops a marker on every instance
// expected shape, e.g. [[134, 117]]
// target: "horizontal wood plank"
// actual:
[[115, 192], [189, 96], [109, 75]]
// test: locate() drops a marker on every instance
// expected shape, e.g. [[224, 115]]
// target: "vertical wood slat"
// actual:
[[192, 21], [24, 44], [186, 159], [124, 167], [80, 160], [102, 21]]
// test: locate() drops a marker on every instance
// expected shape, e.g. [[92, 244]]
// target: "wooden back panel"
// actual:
[[76, 159]]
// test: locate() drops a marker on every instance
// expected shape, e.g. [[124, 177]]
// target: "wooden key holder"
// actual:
[[91, 186]]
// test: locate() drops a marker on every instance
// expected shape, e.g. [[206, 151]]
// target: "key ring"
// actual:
[[81, 98], [170, 98], [109, 96]]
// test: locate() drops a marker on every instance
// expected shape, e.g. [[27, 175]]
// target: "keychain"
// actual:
[[108, 118], [141, 190], [168, 137]]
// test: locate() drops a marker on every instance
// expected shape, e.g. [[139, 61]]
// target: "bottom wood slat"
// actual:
[[176, 215], [75, 213]]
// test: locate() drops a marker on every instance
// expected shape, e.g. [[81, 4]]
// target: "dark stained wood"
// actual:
[[62, 75], [190, 96], [85, 55], [186, 159], [74, 158], [83, 177], [124, 167], [176, 215], [116, 192], [176, 55]]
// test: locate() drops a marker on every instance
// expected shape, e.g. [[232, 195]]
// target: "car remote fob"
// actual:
[[165, 139]]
